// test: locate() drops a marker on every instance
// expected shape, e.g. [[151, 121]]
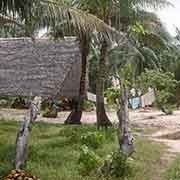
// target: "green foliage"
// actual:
[[19, 102], [4, 103], [93, 139], [138, 28], [164, 84], [88, 160], [88, 105], [126, 75], [158, 80], [50, 113], [112, 95], [47, 103], [116, 165], [120, 165], [50, 108]]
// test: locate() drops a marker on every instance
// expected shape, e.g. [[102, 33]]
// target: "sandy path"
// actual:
[[142, 119], [150, 118]]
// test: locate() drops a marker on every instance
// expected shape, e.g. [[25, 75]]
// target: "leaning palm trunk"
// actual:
[[102, 118], [76, 114], [23, 134], [124, 135]]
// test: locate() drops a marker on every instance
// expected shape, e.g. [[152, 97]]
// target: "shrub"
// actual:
[[88, 105], [92, 139], [3, 103], [50, 113], [88, 160], [120, 165], [116, 164], [164, 85], [19, 102]]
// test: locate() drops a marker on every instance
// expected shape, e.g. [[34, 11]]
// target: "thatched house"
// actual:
[[40, 68]]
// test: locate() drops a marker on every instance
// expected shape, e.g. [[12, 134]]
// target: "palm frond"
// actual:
[[47, 13]]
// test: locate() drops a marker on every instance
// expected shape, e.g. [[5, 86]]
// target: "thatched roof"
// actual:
[[40, 68]]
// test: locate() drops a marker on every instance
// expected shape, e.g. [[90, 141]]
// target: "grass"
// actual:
[[54, 152], [173, 173]]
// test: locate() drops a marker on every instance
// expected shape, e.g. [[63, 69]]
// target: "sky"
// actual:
[[170, 16]]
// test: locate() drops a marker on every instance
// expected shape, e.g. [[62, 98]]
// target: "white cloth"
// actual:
[[92, 97], [148, 98]]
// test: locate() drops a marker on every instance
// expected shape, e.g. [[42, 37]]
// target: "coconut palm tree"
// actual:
[[117, 14], [45, 13], [103, 10], [148, 46], [76, 114]]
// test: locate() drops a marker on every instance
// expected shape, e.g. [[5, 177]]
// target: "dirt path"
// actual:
[[167, 127]]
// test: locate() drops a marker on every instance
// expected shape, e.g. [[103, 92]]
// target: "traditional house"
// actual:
[[39, 68]]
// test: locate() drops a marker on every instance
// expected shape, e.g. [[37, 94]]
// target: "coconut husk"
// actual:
[[20, 175]]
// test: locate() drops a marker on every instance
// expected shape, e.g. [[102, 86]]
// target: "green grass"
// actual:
[[173, 172], [54, 152]]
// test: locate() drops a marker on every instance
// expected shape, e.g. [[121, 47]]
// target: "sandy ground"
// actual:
[[139, 118], [166, 126]]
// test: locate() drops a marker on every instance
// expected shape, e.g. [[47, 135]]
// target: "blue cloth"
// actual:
[[135, 102]]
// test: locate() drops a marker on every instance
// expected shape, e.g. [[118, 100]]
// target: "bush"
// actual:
[[4, 103], [19, 102], [92, 139], [116, 164], [120, 165], [50, 113], [88, 105], [88, 160], [164, 84]]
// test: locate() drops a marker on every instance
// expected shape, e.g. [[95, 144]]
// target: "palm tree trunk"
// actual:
[[124, 135], [24, 133], [76, 114], [102, 118]]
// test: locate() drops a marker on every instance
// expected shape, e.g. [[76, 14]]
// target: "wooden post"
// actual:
[[23, 134]]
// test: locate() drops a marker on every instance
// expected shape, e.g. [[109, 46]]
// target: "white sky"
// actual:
[[170, 16]]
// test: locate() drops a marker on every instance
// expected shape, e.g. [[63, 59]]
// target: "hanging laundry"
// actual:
[[148, 99], [135, 102]]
